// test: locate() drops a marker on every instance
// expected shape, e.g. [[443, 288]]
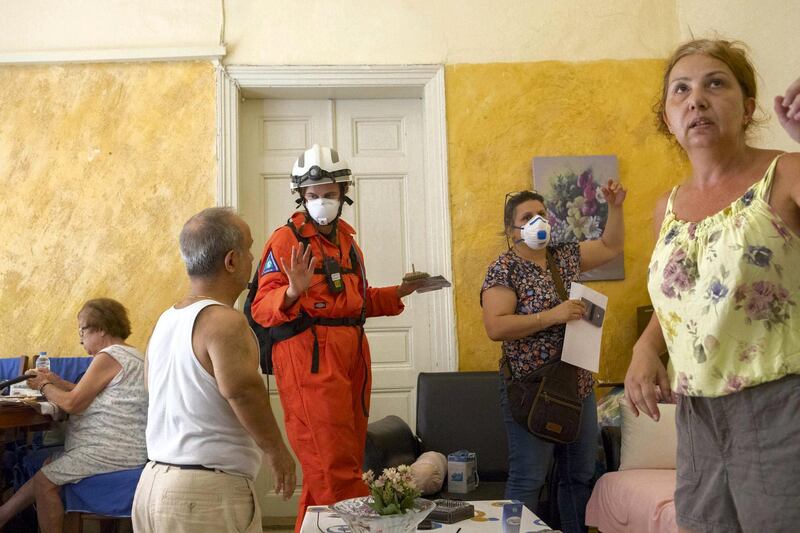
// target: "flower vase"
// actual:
[[361, 518]]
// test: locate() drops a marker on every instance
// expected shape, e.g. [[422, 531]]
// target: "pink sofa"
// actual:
[[640, 497], [633, 501]]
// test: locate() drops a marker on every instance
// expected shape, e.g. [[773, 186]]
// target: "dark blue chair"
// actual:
[[11, 367], [69, 368], [100, 497], [103, 497]]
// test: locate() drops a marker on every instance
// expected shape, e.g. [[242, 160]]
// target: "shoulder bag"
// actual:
[[546, 401]]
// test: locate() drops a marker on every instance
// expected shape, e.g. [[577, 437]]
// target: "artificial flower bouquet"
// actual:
[[394, 492]]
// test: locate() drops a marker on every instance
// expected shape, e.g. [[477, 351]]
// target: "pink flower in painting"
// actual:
[[585, 178], [590, 193], [589, 206]]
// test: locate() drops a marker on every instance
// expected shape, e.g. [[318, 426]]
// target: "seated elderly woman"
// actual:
[[105, 431]]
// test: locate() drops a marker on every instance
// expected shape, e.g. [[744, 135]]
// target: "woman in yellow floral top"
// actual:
[[724, 280]]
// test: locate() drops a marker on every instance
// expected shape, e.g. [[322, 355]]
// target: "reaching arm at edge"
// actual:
[[600, 251]]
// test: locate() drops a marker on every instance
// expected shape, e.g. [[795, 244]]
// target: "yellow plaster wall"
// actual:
[[499, 117], [100, 166]]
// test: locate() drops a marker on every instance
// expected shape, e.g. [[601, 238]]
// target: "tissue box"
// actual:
[[462, 472]]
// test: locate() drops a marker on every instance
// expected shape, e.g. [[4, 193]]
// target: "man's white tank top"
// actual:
[[188, 420]]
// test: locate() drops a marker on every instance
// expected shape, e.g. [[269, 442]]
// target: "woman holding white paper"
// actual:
[[521, 307]]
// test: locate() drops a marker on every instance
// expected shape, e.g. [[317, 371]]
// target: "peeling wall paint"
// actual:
[[100, 166], [499, 117]]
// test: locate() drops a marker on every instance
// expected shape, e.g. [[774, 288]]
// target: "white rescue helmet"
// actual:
[[319, 164]]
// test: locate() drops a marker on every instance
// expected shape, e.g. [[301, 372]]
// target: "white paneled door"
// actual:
[[382, 139]]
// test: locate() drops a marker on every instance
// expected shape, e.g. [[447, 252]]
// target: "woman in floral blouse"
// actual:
[[521, 307], [725, 283]]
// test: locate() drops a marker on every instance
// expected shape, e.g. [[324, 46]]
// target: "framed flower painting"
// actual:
[[571, 189]]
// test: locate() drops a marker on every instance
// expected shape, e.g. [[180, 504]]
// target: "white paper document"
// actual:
[[582, 338]]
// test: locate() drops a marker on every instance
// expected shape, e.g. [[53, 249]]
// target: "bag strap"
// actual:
[[505, 369], [551, 266]]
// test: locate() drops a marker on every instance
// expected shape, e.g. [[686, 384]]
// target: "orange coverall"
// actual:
[[323, 412]]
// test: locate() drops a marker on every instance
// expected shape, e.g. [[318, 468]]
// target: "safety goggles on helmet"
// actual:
[[319, 164]]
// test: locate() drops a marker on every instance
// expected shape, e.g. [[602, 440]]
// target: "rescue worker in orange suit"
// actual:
[[321, 294]]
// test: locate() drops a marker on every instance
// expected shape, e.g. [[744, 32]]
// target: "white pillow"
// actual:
[[646, 443]]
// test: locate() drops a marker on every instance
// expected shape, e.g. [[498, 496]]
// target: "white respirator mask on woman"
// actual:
[[535, 233], [323, 210]]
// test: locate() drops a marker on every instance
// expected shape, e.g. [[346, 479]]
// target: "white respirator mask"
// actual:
[[535, 233], [323, 210]]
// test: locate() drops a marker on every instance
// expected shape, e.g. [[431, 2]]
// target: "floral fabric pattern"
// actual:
[[725, 291], [536, 292]]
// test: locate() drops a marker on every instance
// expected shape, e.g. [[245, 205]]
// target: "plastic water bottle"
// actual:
[[42, 362]]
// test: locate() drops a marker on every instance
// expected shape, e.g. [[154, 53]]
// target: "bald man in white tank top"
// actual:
[[209, 419]]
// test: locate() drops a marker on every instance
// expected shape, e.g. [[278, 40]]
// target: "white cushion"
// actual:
[[646, 443]]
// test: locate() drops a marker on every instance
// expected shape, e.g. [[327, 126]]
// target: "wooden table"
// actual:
[[22, 416]]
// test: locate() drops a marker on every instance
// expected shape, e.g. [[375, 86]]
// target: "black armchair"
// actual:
[[390, 443], [611, 437], [455, 411], [461, 411]]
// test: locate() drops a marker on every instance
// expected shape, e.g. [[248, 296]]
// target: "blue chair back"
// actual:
[[70, 368], [11, 367], [108, 494]]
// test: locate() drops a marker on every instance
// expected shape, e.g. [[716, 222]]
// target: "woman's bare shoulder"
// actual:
[[789, 165]]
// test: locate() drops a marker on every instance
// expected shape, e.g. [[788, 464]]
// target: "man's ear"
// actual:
[[230, 260]]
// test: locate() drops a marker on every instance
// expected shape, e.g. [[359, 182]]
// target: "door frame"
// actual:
[[428, 82]]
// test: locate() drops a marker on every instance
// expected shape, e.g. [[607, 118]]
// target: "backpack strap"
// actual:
[[262, 333], [318, 270]]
